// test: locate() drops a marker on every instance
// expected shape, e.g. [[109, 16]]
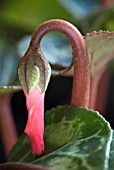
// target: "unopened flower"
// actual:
[[34, 74]]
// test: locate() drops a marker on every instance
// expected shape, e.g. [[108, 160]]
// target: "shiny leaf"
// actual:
[[75, 138], [111, 160]]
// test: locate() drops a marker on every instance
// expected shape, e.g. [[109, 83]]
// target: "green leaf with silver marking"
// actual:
[[75, 139], [111, 159]]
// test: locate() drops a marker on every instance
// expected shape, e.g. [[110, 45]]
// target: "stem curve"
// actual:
[[81, 80]]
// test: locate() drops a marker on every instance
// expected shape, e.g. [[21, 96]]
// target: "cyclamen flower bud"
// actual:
[[34, 74]]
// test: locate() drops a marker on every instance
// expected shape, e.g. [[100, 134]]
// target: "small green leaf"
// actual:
[[75, 138]]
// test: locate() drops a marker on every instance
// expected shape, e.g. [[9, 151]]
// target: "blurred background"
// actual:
[[18, 20]]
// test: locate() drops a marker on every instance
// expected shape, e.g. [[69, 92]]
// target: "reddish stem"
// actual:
[[98, 92], [7, 126], [102, 92], [81, 80], [93, 91]]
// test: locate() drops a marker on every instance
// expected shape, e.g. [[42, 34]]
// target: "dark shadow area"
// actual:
[[110, 102], [2, 156]]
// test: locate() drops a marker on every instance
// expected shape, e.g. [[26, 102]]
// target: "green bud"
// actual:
[[34, 70]]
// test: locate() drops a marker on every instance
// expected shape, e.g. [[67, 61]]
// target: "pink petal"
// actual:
[[35, 124]]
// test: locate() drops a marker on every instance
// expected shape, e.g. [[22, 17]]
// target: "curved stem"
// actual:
[[93, 91], [81, 80]]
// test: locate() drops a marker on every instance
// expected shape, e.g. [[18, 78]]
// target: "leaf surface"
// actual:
[[111, 160], [100, 50], [19, 166], [75, 138]]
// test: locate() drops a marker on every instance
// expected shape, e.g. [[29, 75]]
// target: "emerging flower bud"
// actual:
[[34, 74]]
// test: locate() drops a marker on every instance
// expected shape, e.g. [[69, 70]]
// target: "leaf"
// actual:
[[100, 50], [111, 160], [75, 138], [22, 150], [18, 166]]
